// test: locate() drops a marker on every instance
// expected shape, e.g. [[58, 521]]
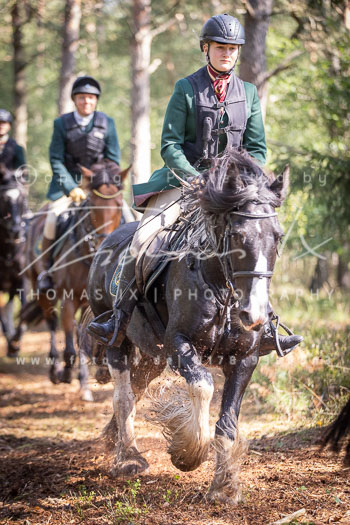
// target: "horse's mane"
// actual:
[[232, 180]]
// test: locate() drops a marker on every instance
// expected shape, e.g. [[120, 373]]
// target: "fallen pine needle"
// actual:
[[290, 517], [255, 452]]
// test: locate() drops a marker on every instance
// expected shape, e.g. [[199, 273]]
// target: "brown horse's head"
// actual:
[[104, 183]]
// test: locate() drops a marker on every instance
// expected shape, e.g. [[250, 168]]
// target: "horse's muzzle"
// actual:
[[249, 323]]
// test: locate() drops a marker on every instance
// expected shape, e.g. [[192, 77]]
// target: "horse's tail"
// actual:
[[338, 431], [31, 313]]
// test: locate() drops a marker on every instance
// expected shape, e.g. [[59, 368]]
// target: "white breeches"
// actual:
[[55, 209], [161, 212]]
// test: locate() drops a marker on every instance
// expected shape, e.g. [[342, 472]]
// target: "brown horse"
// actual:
[[77, 240]]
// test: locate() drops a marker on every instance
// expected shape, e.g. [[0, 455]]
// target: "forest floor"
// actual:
[[53, 469]]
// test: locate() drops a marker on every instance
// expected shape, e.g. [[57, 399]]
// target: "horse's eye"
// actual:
[[238, 237]]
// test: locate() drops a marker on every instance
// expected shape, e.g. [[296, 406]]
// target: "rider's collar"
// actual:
[[83, 121]]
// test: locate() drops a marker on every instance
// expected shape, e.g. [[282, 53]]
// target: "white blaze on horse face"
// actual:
[[13, 194], [259, 296]]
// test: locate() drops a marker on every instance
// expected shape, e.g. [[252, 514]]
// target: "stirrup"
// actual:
[[274, 330]]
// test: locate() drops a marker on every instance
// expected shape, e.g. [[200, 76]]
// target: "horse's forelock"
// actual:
[[104, 173]]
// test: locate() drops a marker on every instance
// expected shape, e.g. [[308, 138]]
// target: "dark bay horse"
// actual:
[[13, 207], [89, 224], [207, 308]]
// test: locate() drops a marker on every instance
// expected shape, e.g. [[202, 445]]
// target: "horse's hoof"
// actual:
[[217, 496], [13, 348], [65, 376], [54, 376], [86, 395], [12, 352], [102, 375], [130, 467]]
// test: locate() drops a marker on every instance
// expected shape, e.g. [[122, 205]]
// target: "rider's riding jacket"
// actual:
[[72, 144], [183, 129], [12, 154], [209, 113], [84, 148]]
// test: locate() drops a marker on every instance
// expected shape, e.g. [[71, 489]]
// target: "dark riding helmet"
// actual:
[[5, 116], [86, 84], [224, 29]]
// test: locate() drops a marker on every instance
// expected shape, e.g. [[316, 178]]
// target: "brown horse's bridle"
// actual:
[[91, 236]]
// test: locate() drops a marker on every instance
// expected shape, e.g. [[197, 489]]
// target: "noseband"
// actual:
[[103, 196]]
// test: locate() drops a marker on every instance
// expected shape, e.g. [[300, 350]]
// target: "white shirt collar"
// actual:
[[83, 121], [4, 139]]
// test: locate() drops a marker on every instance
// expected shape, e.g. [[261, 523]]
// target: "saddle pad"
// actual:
[[155, 257], [113, 285]]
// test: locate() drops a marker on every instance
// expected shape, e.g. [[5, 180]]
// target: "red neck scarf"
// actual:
[[220, 82]]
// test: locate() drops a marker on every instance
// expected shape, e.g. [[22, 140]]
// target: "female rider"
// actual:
[[210, 110]]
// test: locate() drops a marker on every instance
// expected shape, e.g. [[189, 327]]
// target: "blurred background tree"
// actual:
[[301, 67]]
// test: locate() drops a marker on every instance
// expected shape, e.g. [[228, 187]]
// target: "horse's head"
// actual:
[[239, 202], [104, 183]]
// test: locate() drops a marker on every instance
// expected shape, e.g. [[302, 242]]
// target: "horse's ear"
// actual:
[[280, 185], [125, 172], [86, 172]]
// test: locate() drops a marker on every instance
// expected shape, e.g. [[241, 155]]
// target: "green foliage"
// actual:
[[129, 508], [316, 379], [309, 112]]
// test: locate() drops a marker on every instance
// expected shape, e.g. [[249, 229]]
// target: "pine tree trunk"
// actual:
[[140, 91], [70, 44], [343, 273], [253, 56], [91, 16], [19, 18]]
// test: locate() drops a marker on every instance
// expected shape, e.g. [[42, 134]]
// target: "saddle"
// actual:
[[156, 255]]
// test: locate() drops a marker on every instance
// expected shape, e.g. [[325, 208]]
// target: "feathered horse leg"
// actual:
[[227, 443], [184, 413]]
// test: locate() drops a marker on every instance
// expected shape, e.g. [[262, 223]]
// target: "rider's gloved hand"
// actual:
[[77, 195]]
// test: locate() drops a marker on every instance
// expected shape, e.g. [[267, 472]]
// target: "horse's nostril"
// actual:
[[246, 318], [249, 322]]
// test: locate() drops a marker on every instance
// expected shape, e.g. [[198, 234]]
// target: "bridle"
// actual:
[[90, 235], [106, 197], [229, 273]]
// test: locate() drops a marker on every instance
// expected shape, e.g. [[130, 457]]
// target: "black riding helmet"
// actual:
[[86, 84], [5, 116], [224, 29]]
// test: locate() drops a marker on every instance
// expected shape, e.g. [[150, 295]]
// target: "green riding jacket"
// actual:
[[63, 181], [180, 126]]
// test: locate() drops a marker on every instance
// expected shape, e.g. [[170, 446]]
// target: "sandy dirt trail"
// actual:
[[53, 469]]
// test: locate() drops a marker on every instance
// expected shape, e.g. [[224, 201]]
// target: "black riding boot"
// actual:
[[115, 327], [44, 281], [285, 343]]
